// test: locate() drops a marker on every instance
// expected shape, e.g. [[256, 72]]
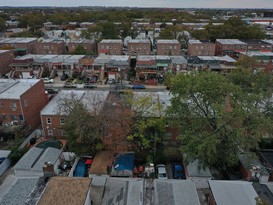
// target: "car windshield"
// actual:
[[162, 175]]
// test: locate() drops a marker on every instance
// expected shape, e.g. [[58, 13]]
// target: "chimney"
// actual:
[[48, 169]]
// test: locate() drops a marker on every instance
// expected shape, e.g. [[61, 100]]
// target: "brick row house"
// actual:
[[51, 46], [230, 47], [6, 57], [88, 45], [111, 46], [168, 47], [21, 101], [200, 48], [53, 115], [139, 47], [20, 46]]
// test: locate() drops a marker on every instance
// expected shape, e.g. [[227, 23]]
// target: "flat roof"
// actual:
[[13, 89], [111, 41], [167, 41], [66, 190], [91, 98], [233, 192], [17, 40], [218, 58], [17, 190], [230, 41], [139, 41], [175, 192], [4, 51]]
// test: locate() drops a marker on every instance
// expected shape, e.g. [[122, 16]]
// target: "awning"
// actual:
[[162, 64], [20, 49]]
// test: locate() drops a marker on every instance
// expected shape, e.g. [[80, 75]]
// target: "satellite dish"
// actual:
[[258, 175]]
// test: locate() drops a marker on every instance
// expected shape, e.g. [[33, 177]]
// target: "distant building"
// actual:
[[6, 57], [200, 48], [20, 46], [230, 47], [88, 45], [258, 45], [21, 101], [139, 47], [110, 46], [168, 47], [50, 46]]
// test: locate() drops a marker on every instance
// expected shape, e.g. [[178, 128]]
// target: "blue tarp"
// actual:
[[124, 161], [80, 169]]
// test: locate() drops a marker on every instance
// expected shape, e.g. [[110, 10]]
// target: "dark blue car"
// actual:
[[138, 87], [178, 171]]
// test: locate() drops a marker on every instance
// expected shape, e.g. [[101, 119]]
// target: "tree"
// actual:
[[2, 25], [217, 118], [148, 130], [80, 50], [82, 125]]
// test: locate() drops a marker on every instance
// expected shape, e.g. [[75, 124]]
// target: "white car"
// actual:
[[161, 171], [48, 80]]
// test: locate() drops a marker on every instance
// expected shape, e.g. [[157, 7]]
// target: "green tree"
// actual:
[[2, 24], [217, 118], [148, 130], [80, 50]]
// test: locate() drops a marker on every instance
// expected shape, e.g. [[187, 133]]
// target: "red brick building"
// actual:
[[21, 101], [6, 57], [139, 47], [53, 115], [200, 48], [50, 46], [258, 45], [20, 46], [230, 47], [168, 47], [88, 45], [111, 46]]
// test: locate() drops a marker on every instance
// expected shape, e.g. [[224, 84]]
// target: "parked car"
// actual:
[[161, 171], [69, 85], [138, 87], [64, 77], [120, 86], [111, 81], [90, 85], [48, 80], [178, 171], [51, 90]]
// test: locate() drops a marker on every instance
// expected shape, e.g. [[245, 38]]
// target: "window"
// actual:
[[4, 117], [25, 103], [48, 120], [1, 104], [62, 121], [13, 106], [63, 133], [50, 132]]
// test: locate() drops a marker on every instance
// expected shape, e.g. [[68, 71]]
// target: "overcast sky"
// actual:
[[145, 3]]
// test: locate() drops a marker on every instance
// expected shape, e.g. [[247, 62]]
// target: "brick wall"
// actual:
[[110, 48], [5, 59], [32, 102], [139, 48], [168, 49]]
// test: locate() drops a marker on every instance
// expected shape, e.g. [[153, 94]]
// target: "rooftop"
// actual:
[[19, 190], [111, 41], [175, 192], [233, 192], [13, 89], [4, 51], [139, 41], [230, 41], [92, 99], [167, 41], [36, 157], [17, 40], [66, 190]]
